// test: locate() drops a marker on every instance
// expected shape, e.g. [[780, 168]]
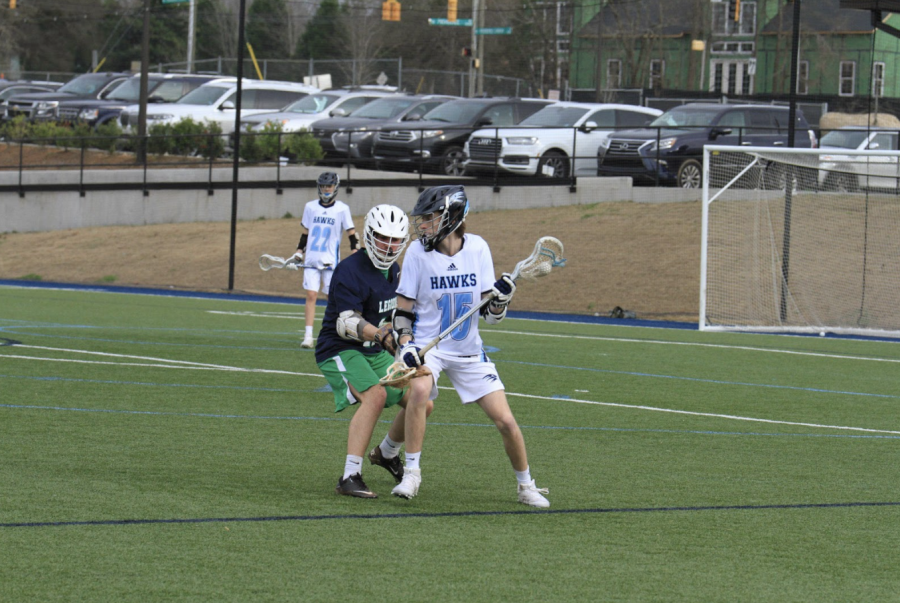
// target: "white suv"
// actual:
[[215, 102], [546, 143], [300, 114]]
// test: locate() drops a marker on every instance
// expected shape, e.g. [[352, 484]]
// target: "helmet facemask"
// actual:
[[328, 179], [386, 233], [448, 206]]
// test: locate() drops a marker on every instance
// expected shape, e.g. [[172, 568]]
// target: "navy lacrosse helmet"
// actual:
[[328, 179], [450, 202]]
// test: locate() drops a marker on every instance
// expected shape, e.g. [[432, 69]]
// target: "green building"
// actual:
[[732, 47]]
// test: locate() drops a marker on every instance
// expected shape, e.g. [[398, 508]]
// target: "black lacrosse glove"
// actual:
[[503, 290]]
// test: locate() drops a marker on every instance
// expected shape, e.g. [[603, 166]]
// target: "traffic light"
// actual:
[[451, 10], [734, 10], [467, 52], [476, 64], [390, 10], [12, 3]]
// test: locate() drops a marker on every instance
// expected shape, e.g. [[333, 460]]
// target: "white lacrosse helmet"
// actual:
[[390, 224]]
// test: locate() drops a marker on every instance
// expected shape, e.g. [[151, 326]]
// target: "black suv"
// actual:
[[42, 105], [351, 137], [670, 149], [161, 88], [436, 142]]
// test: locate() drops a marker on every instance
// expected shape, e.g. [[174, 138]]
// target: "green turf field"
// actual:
[[169, 448]]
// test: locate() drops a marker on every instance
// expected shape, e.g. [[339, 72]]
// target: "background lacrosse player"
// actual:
[[324, 221], [446, 272], [356, 331]]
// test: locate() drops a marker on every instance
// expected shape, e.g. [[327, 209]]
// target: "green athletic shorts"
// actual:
[[362, 371]]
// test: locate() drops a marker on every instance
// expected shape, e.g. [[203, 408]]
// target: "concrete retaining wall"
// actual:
[[47, 211]]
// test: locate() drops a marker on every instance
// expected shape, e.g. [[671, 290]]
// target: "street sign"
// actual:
[[462, 22], [175, 1], [483, 31]]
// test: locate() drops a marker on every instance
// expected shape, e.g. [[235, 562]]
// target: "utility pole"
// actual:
[[479, 66], [145, 66], [192, 15], [475, 47]]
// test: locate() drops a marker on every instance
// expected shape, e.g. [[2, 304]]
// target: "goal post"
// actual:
[[800, 240]]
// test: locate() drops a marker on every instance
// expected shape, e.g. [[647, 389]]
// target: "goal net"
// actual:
[[797, 240]]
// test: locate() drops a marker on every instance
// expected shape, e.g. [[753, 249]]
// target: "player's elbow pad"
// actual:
[[350, 325], [403, 321], [490, 317]]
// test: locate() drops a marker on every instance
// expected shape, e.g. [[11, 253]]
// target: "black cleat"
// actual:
[[354, 486], [394, 466]]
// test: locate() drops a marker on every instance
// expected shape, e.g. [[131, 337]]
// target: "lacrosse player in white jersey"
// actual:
[[446, 272], [324, 221]]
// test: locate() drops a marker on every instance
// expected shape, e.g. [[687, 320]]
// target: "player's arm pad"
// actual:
[[350, 325], [403, 321], [490, 317]]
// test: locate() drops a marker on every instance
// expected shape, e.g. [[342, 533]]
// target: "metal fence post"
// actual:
[[21, 160], [81, 168]]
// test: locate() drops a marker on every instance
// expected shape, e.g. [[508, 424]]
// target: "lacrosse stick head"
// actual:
[[267, 262], [399, 375], [547, 255]]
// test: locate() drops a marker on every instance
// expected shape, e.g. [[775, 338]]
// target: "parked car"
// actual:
[[8, 89], [42, 105], [352, 136], [670, 149], [436, 142], [840, 170], [215, 102], [300, 114], [161, 88], [549, 142]]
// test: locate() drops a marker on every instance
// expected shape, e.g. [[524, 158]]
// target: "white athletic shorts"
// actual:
[[314, 278], [473, 377]]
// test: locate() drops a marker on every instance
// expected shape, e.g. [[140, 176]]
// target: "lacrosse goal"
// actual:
[[800, 240]]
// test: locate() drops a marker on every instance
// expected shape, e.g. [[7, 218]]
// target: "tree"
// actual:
[[324, 38], [215, 30], [268, 29], [168, 34]]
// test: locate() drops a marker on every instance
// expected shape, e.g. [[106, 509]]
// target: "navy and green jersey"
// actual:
[[357, 285]]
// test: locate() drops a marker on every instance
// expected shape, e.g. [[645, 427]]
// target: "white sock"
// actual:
[[524, 477], [309, 332], [412, 460], [352, 465], [389, 448]]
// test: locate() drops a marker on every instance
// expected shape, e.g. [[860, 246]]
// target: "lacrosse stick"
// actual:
[[547, 254], [267, 262]]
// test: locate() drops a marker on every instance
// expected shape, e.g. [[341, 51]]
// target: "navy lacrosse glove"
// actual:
[[503, 290], [410, 354]]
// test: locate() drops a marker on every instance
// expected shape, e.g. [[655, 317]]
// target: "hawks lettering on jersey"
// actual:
[[454, 282]]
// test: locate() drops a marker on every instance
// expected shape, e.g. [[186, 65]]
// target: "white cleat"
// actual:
[[308, 343], [409, 486], [530, 494]]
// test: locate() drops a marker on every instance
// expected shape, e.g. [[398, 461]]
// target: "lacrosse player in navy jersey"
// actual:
[[446, 272], [356, 345], [324, 220]]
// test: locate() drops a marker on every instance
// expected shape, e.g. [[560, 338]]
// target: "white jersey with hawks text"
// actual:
[[326, 225], [444, 288]]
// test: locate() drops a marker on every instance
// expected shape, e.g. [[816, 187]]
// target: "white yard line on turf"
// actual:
[[695, 344], [188, 365], [165, 362], [703, 414]]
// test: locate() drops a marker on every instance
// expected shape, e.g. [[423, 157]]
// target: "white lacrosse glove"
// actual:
[[503, 290], [410, 354], [295, 261]]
